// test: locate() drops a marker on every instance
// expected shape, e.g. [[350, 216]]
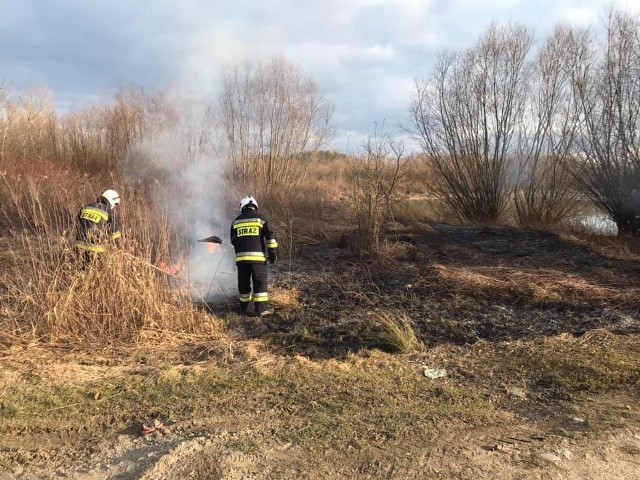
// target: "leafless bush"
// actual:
[[606, 80], [28, 123], [374, 176], [101, 138], [545, 193], [97, 139], [272, 114], [466, 117]]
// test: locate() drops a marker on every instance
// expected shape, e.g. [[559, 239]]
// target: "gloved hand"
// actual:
[[273, 256]]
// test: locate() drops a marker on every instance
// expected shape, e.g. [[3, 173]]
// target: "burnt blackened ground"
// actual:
[[458, 285]]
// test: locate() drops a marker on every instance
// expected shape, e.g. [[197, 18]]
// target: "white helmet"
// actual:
[[112, 197], [246, 201]]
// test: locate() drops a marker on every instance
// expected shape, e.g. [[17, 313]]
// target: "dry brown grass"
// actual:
[[542, 286], [113, 301], [50, 296], [288, 298], [396, 332]]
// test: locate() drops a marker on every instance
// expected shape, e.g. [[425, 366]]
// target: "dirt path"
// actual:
[[507, 454]]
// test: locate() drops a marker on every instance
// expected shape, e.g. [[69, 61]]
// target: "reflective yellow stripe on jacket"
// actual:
[[248, 222], [94, 215], [250, 257]]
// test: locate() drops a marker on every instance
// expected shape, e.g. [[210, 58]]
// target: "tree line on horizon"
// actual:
[[503, 123]]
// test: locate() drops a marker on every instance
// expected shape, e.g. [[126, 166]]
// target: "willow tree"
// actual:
[[272, 114], [606, 77], [545, 192], [466, 117]]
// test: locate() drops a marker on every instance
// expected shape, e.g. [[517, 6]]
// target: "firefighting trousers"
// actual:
[[252, 274]]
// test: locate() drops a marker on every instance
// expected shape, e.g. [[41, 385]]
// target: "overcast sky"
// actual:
[[364, 54]]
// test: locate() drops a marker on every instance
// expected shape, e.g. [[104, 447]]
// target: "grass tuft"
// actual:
[[395, 332]]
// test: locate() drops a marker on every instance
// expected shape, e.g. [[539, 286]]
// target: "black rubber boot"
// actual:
[[263, 309], [244, 308]]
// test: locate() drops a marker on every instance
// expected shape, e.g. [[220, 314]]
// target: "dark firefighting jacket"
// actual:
[[252, 238], [97, 223]]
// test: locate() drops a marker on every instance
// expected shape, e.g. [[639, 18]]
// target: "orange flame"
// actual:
[[175, 269]]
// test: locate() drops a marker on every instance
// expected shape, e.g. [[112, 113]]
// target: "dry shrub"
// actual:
[[395, 332], [300, 216], [43, 200], [373, 178], [394, 250]]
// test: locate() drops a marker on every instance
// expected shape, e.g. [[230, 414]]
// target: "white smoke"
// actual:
[[190, 187], [190, 152]]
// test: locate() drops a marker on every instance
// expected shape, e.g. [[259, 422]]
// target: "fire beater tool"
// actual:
[[218, 240]]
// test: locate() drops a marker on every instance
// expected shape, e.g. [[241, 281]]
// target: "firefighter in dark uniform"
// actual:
[[97, 225], [252, 239]]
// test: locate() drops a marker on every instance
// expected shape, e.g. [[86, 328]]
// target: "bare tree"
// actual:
[[271, 115], [104, 137], [466, 117], [374, 175], [26, 123], [607, 86], [545, 193]]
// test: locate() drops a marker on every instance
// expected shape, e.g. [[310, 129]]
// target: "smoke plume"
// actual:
[[189, 185]]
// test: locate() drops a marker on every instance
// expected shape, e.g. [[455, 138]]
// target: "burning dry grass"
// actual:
[[58, 298]]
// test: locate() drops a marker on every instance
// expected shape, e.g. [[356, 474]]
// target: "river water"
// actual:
[[596, 223]]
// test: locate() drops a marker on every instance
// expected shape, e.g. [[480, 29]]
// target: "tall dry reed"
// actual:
[[51, 295]]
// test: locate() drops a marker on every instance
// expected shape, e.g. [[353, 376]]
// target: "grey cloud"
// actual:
[[361, 53]]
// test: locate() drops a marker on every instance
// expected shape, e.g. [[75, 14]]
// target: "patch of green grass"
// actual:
[[316, 409], [353, 409], [171, 394], [610, 412]]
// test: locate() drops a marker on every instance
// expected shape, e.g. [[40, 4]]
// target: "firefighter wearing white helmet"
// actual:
[[254, 243], [111, 196], [97, 224]]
